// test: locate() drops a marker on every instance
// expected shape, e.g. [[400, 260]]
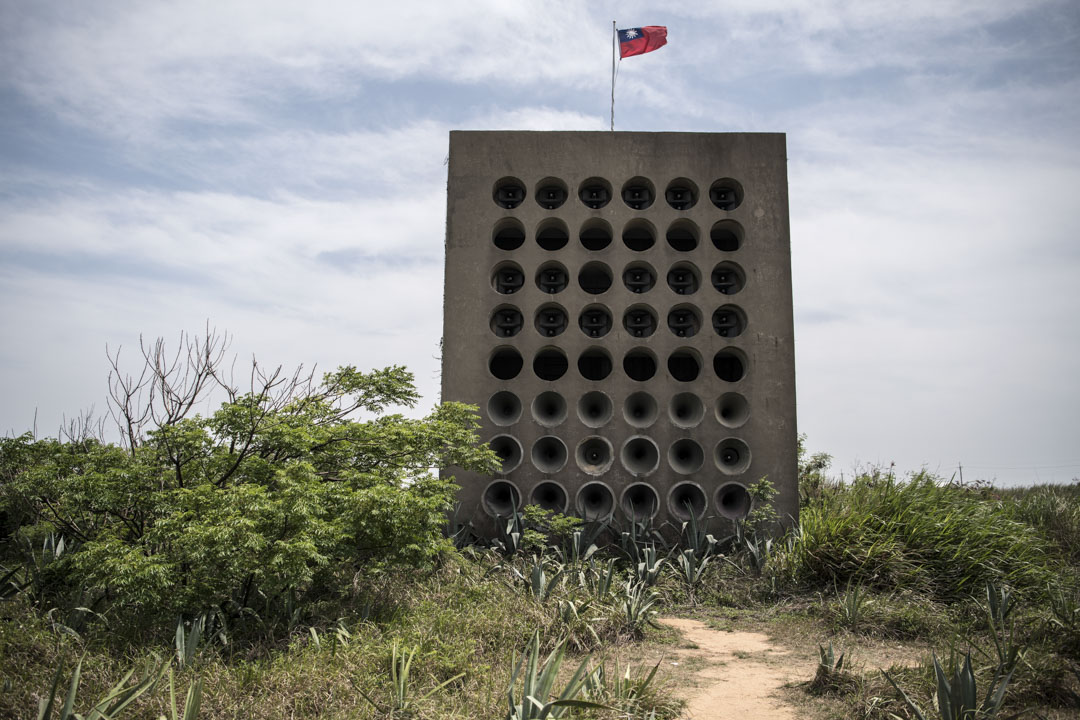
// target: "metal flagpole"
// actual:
[[614, 45]]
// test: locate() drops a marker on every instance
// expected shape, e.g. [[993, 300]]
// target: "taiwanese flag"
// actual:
[[637, 41]]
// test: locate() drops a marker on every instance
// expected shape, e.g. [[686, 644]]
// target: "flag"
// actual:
[[637, 41]]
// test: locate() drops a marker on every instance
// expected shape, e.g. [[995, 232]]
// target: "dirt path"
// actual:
[[736, 674]]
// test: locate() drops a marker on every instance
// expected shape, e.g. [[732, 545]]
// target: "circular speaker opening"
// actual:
[[550, 364], [550, 496], [509, 234], [684, 321], [506, 321], [552, 278], [595, 193], [509, 192], [686, 500], [549, 454], [595, 234], [684, 365], [639, 277], [509, 451], [733, 501], [683, 279], [639, 502], [595, 278], [685, 456], [728, 278], [682, 236], [681, 194], [595, 321], [504, 408], [639, 235], [732, 410], [639, 321], [638, 193], [732, 456], [549, 408], [593, 455], [640, 455], [729, 321], [501, 498], [730, 365], [640, 409], [727, 235], [551, 193], [505, 363], [550, 320], [595, 501], [686, 410], [594, 409], [639, 364], [594, 364], [726, 194], [552, 234], [507, 278]]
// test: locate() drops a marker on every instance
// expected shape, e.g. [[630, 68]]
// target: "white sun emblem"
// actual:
[[631, 34]]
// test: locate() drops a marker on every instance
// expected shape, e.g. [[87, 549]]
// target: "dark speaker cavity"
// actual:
[[732, 456], [639, 365], [501, 498], [729, 321], [640, 409], [727, 235], [594, 364], [595, 278], [552, 235], [509, 451], [509, 234], [639, 236], [684, 365], [686, 410], [729, 366], [681, 194], [550, 496], [506, 321], [550, 364], [728, 278], [595, 193], [686, 456], [595, 235], [549, 408], [509, 193], [726, 194], [595, 501], [683, 279], [552, 278], [550, 320], [733, 501], [639, 321], [639, 502], [639, 278], [551, 194], [595, 321], [594, 455], [638, 194], [594, 409], [507, 278], [683, 321], [505, 363], [682, 237], [686, 500], [504, 408], [732, 410], [549, 454], [640, 456]]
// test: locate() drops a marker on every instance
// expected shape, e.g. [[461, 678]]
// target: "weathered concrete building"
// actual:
[[618, 305]]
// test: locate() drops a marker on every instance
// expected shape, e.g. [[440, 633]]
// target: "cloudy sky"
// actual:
[[278, 169]]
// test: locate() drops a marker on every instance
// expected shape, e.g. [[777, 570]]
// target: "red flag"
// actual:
[[637, 41]]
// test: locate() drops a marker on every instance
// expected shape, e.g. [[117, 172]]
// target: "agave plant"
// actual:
[[401, 696], [110, 706], [637, 603], [622, 689], [647, 569], [692, 568], [537, 685], [957, 697], [539, 584], [596, 580]]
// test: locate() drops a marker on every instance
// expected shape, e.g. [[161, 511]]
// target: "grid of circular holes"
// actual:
[[729, 365], [508, 193], [639, 321], [549, 454], [639, 235], [506, 321], [729, 321], [728, 278], [687, 500], [550, 320], [732, 456], [595, 501], [595, 321], [594, 409], [683, 279], [681, 194], [593, 455], [733, 501], [594, 278], [552, 278], [551, 193], [684, 364], [594, 364], [684, 321], [595, 193], [732, 410], [727, 235], [726, 194], [639, 502], [549, 408], [509, 234], [504, 408], [501, 498], [550, 496], [639, 277], [682, 236], [552, 234], [550, 364], [685, 456], [507, 278], [638, 193], [639, 409], [509, 451], [686, 410], [639, 455], [639, 364], [505, 363], [595, 234]]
